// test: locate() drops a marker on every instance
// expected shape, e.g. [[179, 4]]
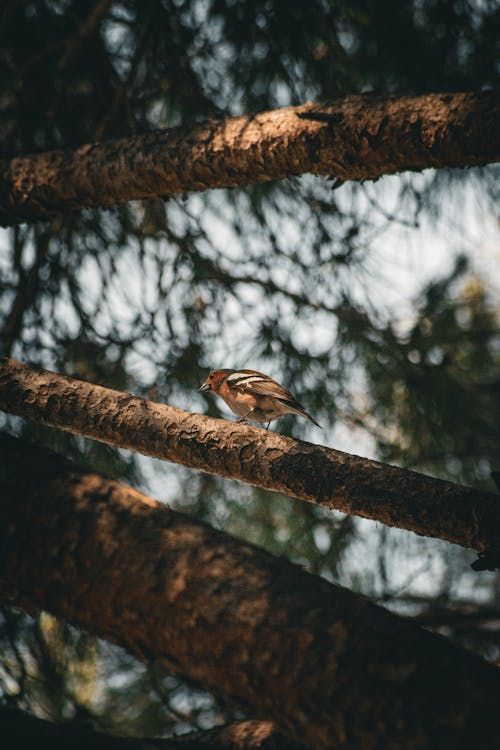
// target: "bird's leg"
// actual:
[[244, 417], [268, 424]]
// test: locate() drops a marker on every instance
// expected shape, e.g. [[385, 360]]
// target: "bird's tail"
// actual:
[[297, 408], [308, 416]]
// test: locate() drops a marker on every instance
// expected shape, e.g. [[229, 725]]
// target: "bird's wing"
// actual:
[[269, 387], [279, 392], [258, 384], [251, 381]]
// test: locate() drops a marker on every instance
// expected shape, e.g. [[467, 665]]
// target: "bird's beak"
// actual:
[[204, 387]]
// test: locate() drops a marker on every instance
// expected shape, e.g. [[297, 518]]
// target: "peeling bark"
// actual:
[[320, 475], [358, 137], [327, 666]]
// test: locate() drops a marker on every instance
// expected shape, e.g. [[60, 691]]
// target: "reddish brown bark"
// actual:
[[396, 497], [357, 137], [330, 668]]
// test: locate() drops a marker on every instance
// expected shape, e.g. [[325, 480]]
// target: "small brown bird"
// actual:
[[254, 396]]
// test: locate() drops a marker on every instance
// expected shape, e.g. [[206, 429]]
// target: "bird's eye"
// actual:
[[211, 376]]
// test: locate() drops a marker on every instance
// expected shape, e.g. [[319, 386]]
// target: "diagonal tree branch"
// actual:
[[330, 668], [354, 138], [394, 496], [85, 29]]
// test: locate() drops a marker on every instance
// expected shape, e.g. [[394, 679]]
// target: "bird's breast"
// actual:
[[238, 401]]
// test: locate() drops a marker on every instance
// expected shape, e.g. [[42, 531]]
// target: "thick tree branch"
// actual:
[[330, 668], [396, 497], [354, 138]]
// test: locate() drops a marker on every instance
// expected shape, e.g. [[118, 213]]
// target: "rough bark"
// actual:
[[314, 473], [20, 730], [320, 475], [358, 137], [329, 667]]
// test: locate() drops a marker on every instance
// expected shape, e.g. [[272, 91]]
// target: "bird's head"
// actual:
[[213, 380]]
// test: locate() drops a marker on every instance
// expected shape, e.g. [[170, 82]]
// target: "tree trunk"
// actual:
[[330, 668], [358, 137], [320, 475]]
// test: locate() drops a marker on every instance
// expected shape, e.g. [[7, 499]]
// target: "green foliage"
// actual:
[[47, 667], [433, 391]]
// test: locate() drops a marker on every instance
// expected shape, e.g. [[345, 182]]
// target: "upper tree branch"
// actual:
[[354, 138], [355, 485], [330, 668]]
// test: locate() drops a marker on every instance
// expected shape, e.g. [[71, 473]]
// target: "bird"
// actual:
[[253, 396]]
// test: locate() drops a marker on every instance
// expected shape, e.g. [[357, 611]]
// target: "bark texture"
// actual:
[[320, 475], [330, 668], [358, 137]]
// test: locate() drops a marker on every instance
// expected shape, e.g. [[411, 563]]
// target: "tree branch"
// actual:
[[85, 29], [320, 475], [358, 137], [330, 668]]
